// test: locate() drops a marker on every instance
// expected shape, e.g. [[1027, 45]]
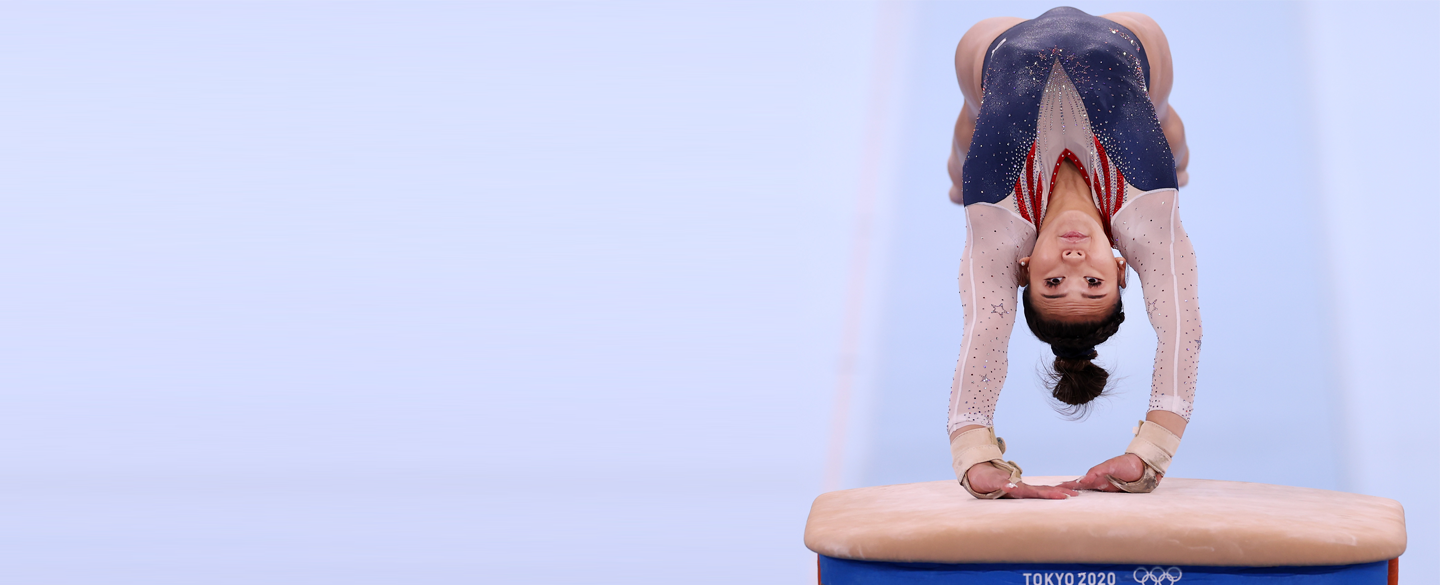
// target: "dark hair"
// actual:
[[1074, 380]]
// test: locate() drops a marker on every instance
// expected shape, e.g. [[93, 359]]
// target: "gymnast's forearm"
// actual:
[[980, 369], [1171, 421], [964, 429], [1172, 301], [994, 244], [1153, 240]]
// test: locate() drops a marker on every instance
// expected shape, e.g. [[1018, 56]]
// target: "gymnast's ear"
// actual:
[[1022, 275], [1120, 266]]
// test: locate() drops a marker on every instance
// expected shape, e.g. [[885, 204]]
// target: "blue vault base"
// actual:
[[835, 571]]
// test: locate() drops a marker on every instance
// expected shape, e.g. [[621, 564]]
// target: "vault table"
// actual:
[[1186, 531]]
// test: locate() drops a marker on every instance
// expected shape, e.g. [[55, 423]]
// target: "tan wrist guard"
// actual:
[[980, 446], [1155, 445]]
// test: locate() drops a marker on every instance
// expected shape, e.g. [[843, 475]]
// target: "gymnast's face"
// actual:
[[1072, 274]]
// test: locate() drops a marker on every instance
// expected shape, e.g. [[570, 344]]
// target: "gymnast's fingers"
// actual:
[[1022, 490], [1074, 484], [1079, 483], [1055, 492], [1094, 480], [1101, 480]]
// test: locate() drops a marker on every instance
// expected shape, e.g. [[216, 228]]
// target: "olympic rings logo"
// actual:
[[1157, 575]]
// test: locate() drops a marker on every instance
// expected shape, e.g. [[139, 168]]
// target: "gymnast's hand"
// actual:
[[1127, 467], [986, 478]]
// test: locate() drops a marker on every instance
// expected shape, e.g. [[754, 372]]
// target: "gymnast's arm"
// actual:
[[1150, 236], [995, 240]]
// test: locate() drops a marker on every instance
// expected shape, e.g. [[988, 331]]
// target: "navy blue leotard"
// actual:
[[1098, 115]]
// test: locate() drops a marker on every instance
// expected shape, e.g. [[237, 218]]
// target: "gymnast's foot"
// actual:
[[1126, 468], [985, 478]]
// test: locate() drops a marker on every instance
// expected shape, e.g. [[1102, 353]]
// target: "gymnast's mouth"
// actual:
[[1074, 237]]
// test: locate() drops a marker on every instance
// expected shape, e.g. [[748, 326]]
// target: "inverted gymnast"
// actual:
[[1066, 147]]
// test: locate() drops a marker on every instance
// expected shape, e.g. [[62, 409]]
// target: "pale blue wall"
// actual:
[[1374, 174], [421, 293]]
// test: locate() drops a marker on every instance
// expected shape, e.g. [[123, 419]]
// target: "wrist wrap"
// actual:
[[980, 446], [1155, 445]]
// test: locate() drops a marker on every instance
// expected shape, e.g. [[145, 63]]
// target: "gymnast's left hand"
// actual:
[[1127, 467]]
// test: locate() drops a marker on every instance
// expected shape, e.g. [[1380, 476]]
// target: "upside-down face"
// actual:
[[1072, 274]]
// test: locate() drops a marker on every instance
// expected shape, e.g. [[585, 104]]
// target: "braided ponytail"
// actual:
[[1075, 380]]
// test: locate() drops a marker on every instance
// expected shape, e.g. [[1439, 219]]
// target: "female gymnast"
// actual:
[[1066, 147]]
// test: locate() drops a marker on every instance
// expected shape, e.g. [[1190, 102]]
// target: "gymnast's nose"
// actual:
[[1073, 255]]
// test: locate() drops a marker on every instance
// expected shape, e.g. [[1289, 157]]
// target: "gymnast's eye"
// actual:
[[1092, 280], [1054, 281]]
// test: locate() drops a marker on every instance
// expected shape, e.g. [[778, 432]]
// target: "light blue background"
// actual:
[[557, 292]]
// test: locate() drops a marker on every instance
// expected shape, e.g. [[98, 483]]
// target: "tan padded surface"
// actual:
[[1183, 522]]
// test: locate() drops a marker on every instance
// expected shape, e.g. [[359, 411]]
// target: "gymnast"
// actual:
[[1066, 147]]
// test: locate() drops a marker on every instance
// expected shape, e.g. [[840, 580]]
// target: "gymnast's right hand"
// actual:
[[986, 478]]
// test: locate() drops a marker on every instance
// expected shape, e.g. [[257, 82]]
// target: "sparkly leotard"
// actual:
[[1070, 86]]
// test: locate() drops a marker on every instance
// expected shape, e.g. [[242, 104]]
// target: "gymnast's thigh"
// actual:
[[1157, 52], [970, 55]]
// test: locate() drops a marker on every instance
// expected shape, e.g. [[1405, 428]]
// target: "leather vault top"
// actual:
[[1183, 522]]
